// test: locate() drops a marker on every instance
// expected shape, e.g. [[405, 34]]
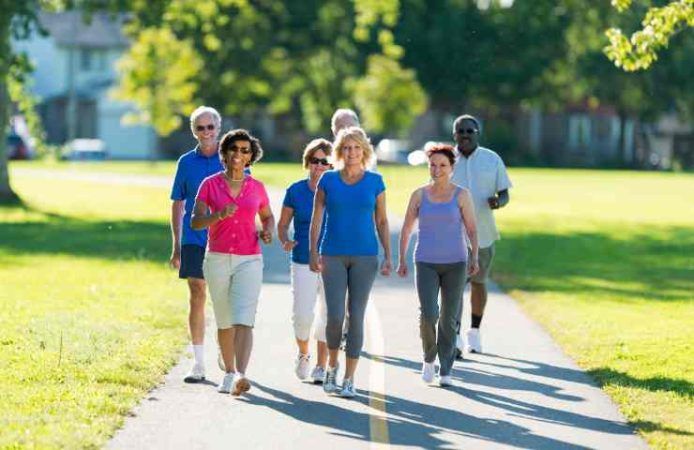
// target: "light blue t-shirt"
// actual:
[[350, 227], [299, 197]]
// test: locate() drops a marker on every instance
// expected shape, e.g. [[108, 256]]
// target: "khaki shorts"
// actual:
[[485, 257]]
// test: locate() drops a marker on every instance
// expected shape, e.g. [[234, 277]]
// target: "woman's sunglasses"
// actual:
[[203, 127], [321, 161]]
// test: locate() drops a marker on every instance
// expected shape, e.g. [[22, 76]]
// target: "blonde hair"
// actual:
[[315, 145], [355, 134]]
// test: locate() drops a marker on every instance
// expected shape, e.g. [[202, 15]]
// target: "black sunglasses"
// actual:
[[245, 151], [466, 131], [203, 127], [321, 161]]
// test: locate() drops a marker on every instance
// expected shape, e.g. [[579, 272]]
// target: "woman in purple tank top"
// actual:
[[445, 254]]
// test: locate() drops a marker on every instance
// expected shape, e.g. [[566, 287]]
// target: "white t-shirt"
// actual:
[[484, 174]]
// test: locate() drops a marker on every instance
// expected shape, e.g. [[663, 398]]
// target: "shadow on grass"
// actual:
[[656, 265], [606, 376]]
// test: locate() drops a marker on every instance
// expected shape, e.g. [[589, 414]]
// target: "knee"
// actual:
[[197, 289], [428, 319]]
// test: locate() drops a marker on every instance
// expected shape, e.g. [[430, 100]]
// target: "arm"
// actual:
[[467, 209], [201, 219], [268, 221], [283, 227], [314, 230], [500, 200], [407, 226], [383, 233], [176, 219]]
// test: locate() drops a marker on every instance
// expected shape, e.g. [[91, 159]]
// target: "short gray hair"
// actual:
[[201, 111], [344, 113]]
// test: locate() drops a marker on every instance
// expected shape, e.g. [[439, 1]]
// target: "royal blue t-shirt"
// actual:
[[350, 227], [299, 197], [192, 168]]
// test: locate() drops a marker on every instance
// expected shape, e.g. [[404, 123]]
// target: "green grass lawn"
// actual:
[[603, 259]]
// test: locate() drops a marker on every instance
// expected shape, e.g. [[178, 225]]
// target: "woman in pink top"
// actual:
[[227, 203]]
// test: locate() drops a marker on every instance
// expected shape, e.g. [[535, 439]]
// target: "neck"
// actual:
[[439, 183], [466, 153], [235, 174], [313, 181], [353, 170], [208, 149]]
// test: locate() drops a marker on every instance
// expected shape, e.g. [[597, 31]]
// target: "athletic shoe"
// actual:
[[348, 390], [240, 385], [459, 355], [196, 374], [302, 365], [225, 386], [318, 375], [445, 381], [428, 372], [474, 341], [330, 382]]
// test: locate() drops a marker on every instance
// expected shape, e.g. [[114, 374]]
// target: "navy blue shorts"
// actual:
[[191, 261]]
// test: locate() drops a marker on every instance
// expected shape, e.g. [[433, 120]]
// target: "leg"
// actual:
[[452, 285], [218, 276], [304, 290], [243, 296], [243, 346], [362, 273], [227, 344], [428, 282], [321, 321], [196, 313], [335, 284], [478, 299]]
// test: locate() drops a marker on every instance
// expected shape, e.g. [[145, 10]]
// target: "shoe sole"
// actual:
[[193, 380], [243, 385]]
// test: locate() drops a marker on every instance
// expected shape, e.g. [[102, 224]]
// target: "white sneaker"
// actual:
[[196, 374], [330, 382], [302, 365], [428, 372], [318, 375], [445, 381], [240, 384], [348, 390], [474, 340], [225, 386]]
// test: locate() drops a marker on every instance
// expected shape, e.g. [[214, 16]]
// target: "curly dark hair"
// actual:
[[241, 135], [442, 149]]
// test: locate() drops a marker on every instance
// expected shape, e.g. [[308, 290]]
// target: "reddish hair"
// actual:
[[442, 149]]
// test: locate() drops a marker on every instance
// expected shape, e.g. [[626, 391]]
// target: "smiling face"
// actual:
[[206, 130], [352, 153], [238, 156], [439, 167], [466, 135]]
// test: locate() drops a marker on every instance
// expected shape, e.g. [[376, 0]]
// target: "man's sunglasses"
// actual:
[[321, 161], [466, 131], [203, 127]]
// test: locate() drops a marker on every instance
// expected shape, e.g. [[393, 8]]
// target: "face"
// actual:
[[317, 164], [206, 130], [466, 135], [352, 153], [238, 155], [439, 166]]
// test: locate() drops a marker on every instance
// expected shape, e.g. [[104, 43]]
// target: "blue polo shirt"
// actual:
[[192, 168], [299, 197], [350, 228]]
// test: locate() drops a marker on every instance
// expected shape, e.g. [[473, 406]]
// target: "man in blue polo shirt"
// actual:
[[188, 245]]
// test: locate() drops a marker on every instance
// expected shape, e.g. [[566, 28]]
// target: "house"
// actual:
[[74, 72]]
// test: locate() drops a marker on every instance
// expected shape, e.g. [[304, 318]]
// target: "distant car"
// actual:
[[393, 151], [86, 150], [17, 147]]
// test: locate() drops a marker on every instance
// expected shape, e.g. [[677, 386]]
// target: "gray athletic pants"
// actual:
[[352, 276], [450, 280]]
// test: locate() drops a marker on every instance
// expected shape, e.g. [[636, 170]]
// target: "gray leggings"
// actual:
[[352, 276], [450, 280]]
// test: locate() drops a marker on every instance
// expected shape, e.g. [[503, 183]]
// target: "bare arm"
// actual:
[[177, 212], [201, 219], [286, 217], [383, 233], [406, 230], [268, 221], [467, 210], [314, 230]]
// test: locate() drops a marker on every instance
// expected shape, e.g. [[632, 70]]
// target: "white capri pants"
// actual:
[[307, 287], [234, 282]]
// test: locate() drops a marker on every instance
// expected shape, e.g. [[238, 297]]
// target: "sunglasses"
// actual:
[[321, 161], [466, 131], [203, 127], [245, 151]]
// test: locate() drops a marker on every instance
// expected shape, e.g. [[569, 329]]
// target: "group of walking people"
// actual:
[[339, 218]]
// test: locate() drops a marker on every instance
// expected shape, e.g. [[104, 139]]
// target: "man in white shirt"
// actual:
[[483, 172]]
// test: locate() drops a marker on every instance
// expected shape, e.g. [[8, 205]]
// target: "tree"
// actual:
[[659, 25]]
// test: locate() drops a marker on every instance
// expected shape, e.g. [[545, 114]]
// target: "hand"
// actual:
[[493, 202], [473, 266], [227, 211], [175, 261], [265, 236], [315, 263], [288, 246], [386, 267], [402, 269]]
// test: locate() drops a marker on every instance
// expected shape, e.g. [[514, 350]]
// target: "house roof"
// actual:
[[70, 29]]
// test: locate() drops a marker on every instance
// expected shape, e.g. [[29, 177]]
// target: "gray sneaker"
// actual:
[[348, 390], [318, 375], [225, 386], [330, 382]]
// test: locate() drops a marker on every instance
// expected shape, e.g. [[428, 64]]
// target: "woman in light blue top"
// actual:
[[354, 200], [446, 214]]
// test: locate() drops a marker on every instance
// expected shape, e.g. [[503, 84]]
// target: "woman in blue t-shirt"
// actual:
[[354, 201], [307, 286]]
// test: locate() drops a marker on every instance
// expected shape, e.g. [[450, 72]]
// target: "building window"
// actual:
[[92, 60]]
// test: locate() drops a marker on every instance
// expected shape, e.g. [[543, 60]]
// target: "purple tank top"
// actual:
[[441, 238]]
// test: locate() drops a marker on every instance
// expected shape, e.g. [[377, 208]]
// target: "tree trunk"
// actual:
[[622, 143], [6, 193]]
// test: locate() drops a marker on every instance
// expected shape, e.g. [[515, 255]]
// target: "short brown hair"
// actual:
[[241, 135], [442, 149], [315, 145]]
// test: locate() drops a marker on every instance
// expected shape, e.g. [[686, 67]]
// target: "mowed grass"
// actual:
[[92, 317], [603, 259]]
